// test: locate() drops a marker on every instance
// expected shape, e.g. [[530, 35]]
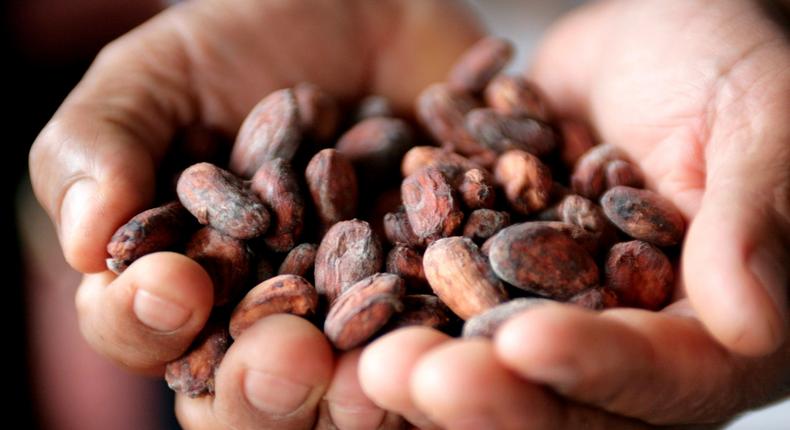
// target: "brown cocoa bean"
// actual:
[[515, 96], [398, 230], [226, 260], [501, 133], [193, 373], [348, 252], [442, 110], [319, 115], [540, 259], [375, 147], [373, 106], [276, 186], [579, 211], [487, 323], [577, 139], [640, 274], [406, 262], [450, 163], [363, 309], [283, 294], [619, 172], [430, 204], [526, 180], [644, 215], [476, 189], [154, 230], [481, 62], [299, 261], [484, 223], [217, 198], [424, 310], [591, 174], [333, 186], [596, 298], [271, 130], [461, 277]]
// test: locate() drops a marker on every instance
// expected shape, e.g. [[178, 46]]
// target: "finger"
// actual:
[[397, 352], [272, 377], [149, 314], [461, 385], [347, 406], [661, 368], [744, 301]]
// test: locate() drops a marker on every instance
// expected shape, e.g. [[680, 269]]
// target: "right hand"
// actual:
[[208, 62]]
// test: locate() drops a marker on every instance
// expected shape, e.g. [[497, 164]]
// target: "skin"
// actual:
[[687, 89]]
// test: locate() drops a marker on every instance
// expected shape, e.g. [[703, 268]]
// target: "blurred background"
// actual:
[[58, 383]]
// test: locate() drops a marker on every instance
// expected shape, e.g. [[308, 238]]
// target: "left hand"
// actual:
[[697, 93]]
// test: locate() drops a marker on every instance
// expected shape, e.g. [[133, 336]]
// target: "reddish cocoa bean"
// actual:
[[501, 133], [217, 198], [619, 172], [276, 186], [319, 115], [577, 139], [527, 182], [300, 261], [431, 206], [193, 373], [487, 323], [424, 310], [596, 298], [398, 230], [515, 96], [226, 260], [385, 202], [640, 274], [481, 62], [154, 230], [333, 186], [375, 147], [373, 106], [348, 252], [484, 223], [542, 260], [442, 110], [271, 130], [363, 309], [461, 277], [579, 211], [592, 174], [406, 262], [450, 163], [644, 215], [283, 294], [476, 189]]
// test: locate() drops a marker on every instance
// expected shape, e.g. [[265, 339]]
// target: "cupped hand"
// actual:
[[697, 93], [207, 63]]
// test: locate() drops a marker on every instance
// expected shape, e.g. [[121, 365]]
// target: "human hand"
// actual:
[[697, 93], [208, 62]]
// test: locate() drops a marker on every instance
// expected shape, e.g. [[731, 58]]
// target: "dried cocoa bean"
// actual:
[[271, 130], [348, 252], [461, 277], [484, 223], [501, 133], [640, 274], [226, 260], [442, 111], [591, 175], [373, 106], [375, 147], [300, 261], [476, 189], [406, 262], [424, 310], [644, 215], [363, 309], [193, 373], [576, 141], [319, 115], [431, 206], [398, 230], [450, 163], [289, 294], [156, 229], [596, 298], [333, 186], [619, 172], [542, 260], [276, 186], [217, 198], [487, 323], [481, 62], [526, 180], [515, 96]]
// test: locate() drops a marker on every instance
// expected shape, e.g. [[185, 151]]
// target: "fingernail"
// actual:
[[352, 417], [273, 394], [76, 200], [766, 263], [158, 313]]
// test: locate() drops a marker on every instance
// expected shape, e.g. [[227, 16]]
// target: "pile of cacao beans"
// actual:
[[364, 223]]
